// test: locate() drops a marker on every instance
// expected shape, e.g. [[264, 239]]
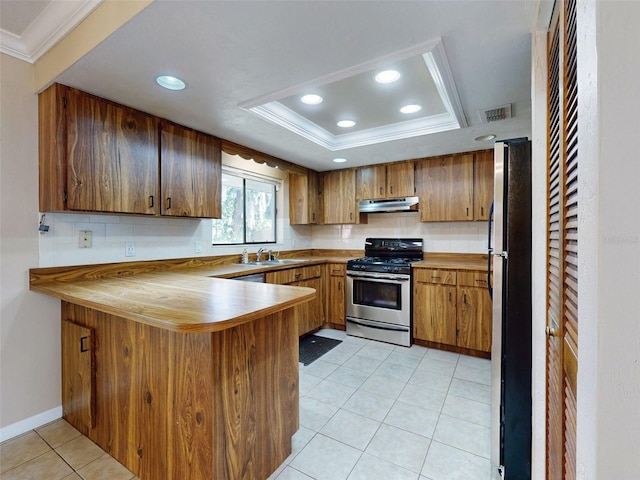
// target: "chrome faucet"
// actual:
[[270, 255], [259, 254]]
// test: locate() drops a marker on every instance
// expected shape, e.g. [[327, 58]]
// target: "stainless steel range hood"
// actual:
[[404, 204]]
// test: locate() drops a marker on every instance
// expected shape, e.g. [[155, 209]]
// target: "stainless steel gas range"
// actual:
[[379, 290]]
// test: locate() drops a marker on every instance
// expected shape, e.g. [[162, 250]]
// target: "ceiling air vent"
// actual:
[[495, 114]]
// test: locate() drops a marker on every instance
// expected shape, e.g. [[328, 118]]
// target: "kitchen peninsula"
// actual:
[[176, 374]]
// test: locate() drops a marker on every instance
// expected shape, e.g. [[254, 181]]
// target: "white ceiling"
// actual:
[[231, 52]]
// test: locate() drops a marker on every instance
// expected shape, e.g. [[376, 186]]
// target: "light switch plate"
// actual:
[[130, 249]]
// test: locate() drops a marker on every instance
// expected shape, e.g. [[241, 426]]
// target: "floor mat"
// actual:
[[313, 347]]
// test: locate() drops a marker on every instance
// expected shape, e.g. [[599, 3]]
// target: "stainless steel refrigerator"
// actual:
[[509, 270]]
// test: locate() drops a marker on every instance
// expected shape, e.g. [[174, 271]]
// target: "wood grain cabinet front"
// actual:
[[339, 195], [98, 156], [336, 278], [452, 308], [305, 198], [309, 315], [385, 181]]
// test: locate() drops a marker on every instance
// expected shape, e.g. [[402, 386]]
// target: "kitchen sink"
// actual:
[[280, 261]]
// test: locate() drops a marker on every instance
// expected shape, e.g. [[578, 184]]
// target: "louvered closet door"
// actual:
[[562, 254]]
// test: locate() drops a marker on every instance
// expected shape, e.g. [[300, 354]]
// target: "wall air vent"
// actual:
[[495, 114]]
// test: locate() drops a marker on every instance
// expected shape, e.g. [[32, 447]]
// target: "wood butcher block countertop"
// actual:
[[196, 295], [182, 302]]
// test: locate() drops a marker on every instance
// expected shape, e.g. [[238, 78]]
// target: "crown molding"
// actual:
[[51, 26]]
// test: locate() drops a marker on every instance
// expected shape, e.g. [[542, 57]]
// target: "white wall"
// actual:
[[455, 237], [29, 322], [609, 238]]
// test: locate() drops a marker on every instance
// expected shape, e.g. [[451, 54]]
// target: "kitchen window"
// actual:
[[248, 209]]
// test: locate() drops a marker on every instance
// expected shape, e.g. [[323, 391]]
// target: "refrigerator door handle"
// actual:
[[489, 253]]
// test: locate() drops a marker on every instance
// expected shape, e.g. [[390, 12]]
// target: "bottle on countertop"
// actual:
[[245, 256]]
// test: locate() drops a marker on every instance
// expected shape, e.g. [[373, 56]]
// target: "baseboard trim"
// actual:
[[23, 426]]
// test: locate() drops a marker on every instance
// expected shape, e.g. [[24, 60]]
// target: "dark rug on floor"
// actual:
[[313, 347]]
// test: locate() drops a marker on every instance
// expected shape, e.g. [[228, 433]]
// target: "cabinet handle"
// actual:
[[336, 271], [168, 203], [150, 201], [435, 278], [339, 285], [449, 296], [467, 211], [83, 347], [298, 275], [380, 190], [464, 298], [391, 188], [480, 281], [482, 211], [350, 215], [313, 217]]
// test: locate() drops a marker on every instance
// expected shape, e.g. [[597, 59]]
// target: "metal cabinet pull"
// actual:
[[150, 201], [391, 188], [168, 203], [380, 190], [339, 285], [83, 347]]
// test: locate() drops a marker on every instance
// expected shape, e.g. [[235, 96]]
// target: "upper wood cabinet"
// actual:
[[190, 163], [98, 156], [385, 181], [305, 200], [339, 197], [455, 187], [482, 184]]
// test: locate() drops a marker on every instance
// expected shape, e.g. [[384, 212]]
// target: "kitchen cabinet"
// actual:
[[305, 198], [474, 311], [434, 305], [445, 188], [336, 278], [385, 181], [98, 156], [339, 197], [78, 374], [452, 308], [309, 315], [455, 187], [95, 155], [190, 163], [482, 184]]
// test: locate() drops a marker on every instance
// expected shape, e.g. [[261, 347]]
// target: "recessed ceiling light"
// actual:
[[411, 108], [311, 99], [171, 83], [387, 76], [484, 138], [339, 160], [346, 123]]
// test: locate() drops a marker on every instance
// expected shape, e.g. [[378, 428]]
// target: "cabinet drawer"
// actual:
[[283, 277], [472, 279], [337, 269], [441, 277]]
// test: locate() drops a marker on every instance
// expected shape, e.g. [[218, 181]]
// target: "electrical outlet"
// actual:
[[85, 238], [130, 249], [198, 246]]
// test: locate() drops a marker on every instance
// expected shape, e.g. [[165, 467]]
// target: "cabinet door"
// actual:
[[191, 184], [299, 196], [336, 299], [434, 313], [78, 375], [112, 156], [400, 180], [311, 314], [445, 188], [340, 197], [315, 198], [371, 182], [474, 318], [474, 311], [482, 184]]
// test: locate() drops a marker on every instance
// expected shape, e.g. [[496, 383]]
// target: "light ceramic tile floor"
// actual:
[[368, 410]]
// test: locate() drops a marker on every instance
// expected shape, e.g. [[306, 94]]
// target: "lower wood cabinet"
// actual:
[[78, 374], [309, 315], [452, 308], [336, 278]]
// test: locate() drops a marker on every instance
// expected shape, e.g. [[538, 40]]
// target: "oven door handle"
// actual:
[[378, 325], [384, 279]]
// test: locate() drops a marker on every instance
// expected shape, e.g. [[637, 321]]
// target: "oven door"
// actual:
[[383, 297]]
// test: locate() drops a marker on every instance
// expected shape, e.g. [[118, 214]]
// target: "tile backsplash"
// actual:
[[161, 238]]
